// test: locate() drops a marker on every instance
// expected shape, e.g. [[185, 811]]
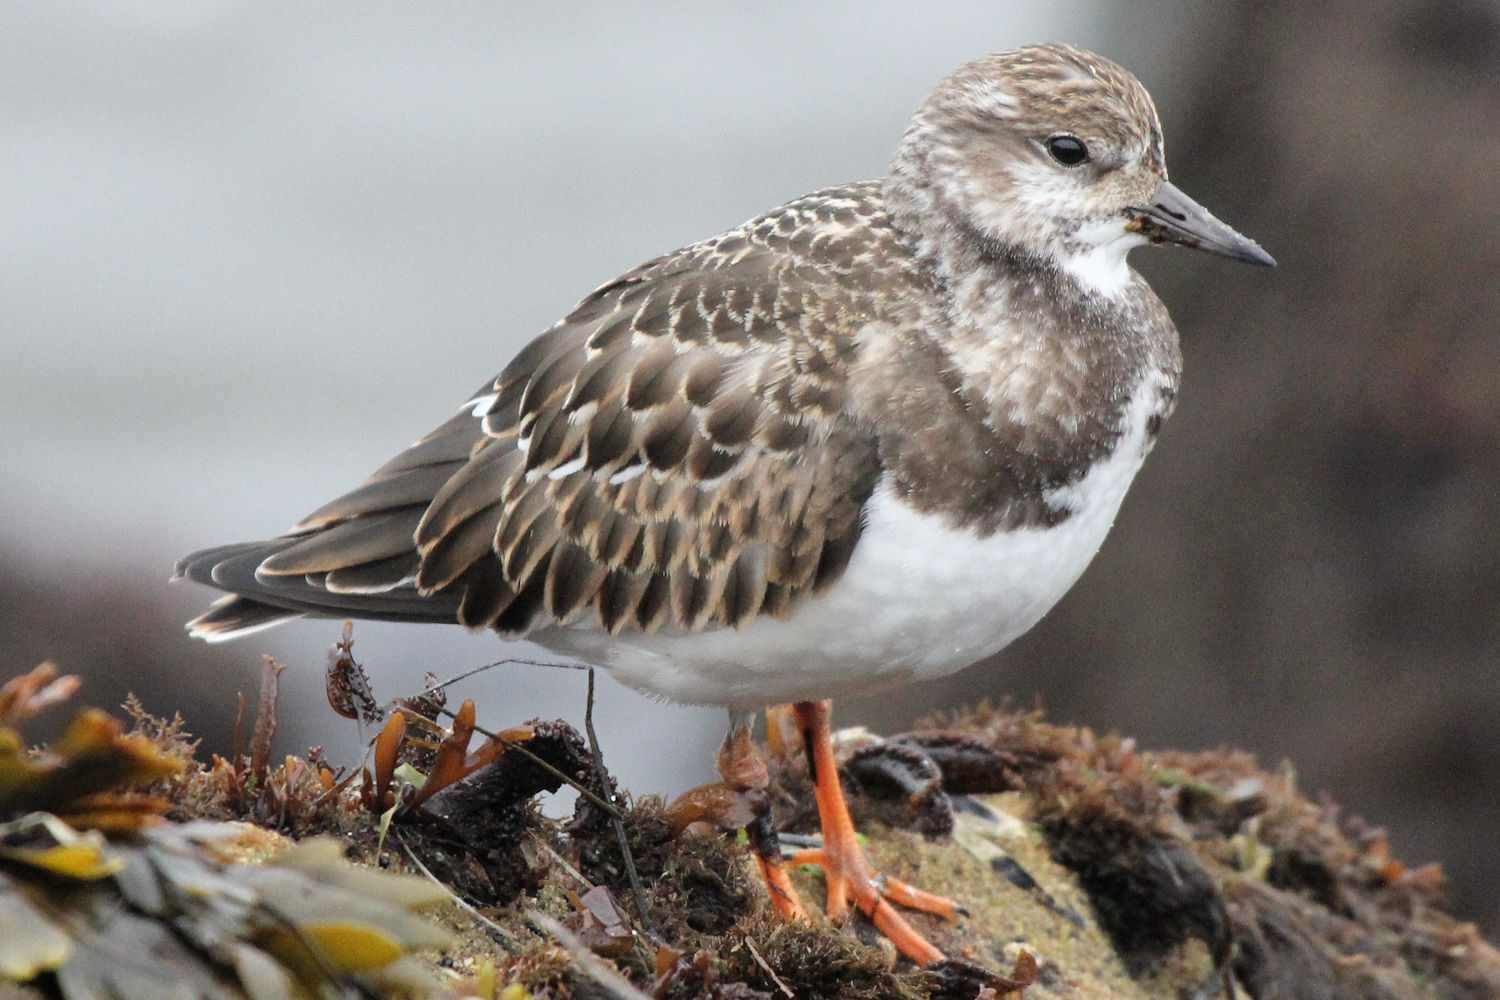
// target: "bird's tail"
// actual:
[[233, 617], [258, 599]]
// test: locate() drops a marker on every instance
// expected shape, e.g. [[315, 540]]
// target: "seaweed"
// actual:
[[1092, 868]]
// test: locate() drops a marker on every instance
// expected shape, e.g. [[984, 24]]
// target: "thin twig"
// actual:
[[506, 941], [640, 948], [511, 745], [562, 862], [618, 822], [783, 987], [434, 689], [354, 772], [339, 786], [314, 951], [595, 968]]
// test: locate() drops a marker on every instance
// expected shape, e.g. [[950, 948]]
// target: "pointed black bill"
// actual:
[[1173, 217]]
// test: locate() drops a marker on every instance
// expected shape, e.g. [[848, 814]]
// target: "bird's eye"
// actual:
[[1068, 150]]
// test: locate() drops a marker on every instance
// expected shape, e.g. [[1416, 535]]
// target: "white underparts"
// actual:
[[920, 598]]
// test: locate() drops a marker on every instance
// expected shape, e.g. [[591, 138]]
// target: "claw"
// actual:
[[846, 870]]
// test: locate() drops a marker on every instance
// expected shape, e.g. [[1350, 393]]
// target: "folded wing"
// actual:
[[670, 455]]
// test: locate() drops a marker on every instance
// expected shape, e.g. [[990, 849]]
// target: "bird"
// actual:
[[867, 438]]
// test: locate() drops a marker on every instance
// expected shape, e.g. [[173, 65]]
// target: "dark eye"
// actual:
[[1068, 150]]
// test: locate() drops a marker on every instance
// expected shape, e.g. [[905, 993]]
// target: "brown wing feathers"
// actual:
[[667, 456]]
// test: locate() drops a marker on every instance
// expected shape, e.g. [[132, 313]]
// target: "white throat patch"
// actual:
[[1101, 269]]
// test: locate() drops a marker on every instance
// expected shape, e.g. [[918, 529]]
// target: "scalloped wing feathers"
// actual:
[[670, 455]]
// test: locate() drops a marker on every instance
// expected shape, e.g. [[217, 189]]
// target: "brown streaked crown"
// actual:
[[973, 161]]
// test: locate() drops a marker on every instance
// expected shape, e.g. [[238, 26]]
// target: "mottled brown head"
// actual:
[[1051, 151]]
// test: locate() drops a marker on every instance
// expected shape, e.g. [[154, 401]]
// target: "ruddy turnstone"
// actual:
[[867, 438]]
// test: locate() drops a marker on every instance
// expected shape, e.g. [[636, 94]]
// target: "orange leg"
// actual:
[[741, 801], [767, 852], [743, 769], [845, 868]]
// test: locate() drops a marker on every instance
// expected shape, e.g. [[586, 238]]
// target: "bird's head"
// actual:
[[1052, 152]]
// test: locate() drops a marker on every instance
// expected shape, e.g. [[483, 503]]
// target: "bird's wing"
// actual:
[[669, 455]]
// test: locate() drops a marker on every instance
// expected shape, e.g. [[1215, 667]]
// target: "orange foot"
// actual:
[[845, 868]]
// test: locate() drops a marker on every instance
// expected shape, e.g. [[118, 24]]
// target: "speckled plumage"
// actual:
[[695, 447]]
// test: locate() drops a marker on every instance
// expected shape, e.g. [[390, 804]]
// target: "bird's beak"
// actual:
[[1173, 217]]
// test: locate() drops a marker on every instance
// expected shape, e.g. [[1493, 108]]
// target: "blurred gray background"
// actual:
[[251, 249]]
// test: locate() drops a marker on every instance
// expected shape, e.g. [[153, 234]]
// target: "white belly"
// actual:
[[919, 599]]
